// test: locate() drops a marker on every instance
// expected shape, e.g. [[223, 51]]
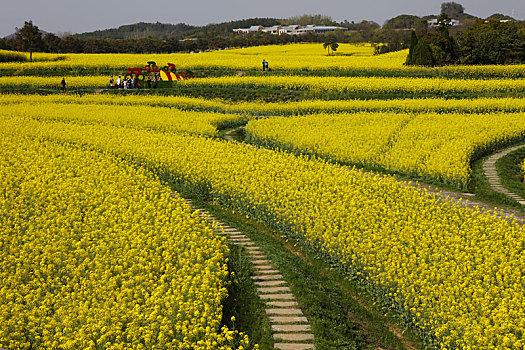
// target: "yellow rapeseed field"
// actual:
[[97, 254], [306, 56], [135, 116], [425, 145], [389, 85], [455, 272], [305, 107]]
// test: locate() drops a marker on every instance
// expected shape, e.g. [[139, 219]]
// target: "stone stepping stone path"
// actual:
[[291, 328], [489, 168]]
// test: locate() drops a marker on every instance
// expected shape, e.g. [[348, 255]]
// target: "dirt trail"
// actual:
[[489, 168]]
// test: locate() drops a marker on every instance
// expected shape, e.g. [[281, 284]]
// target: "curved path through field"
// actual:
[[291, 329], [489, 168]]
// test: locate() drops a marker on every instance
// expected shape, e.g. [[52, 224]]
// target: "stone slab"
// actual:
[[242, 239], [292, 346], [293, 336], [245, 243], [237, 236], [256, 250], [291, 327], [282, 303], [260, 261], [267, 271], [263, 267], [269, 283], [267, 277], [284, 311], [258, 256], [285, 296], [288, 319], [273, 289]]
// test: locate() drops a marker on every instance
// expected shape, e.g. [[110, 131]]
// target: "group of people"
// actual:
[[135, 83]]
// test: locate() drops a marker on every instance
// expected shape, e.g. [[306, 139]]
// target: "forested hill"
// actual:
[[138, 31], [163, 30]]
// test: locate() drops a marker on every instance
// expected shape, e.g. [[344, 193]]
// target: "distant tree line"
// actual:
[[488, 41], [141, 38], [498, 40]]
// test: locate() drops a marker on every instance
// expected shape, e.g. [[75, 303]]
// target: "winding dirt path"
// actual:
[[489, 168]]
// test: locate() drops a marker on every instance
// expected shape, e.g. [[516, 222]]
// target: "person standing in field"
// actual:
[[264, 64], [156, 81], [63, 83], [118, 82], [111, 82]]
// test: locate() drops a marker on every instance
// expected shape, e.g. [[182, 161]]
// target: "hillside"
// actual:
[[164, 30], [138, 31]]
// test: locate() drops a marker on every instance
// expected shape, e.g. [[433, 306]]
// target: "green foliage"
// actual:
[[29, 38], [309, 19], [422, 55], [452, 9], [138, 31], [434, 48], [492, 42], [394, 40], [330, 44], [402, 22], [412, 48], [500, 16], [420, 52]]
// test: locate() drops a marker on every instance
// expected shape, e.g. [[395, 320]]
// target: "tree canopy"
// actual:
[[452, 9], [330, 44], [402, 22], [29, 38]]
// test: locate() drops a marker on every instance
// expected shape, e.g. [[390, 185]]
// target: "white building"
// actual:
[[293, 29], [432, 23], [273, 30], [252, 29]]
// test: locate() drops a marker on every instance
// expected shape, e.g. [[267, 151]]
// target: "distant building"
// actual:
[[293, 29], [433, 22], [273, 30], [252, 29]]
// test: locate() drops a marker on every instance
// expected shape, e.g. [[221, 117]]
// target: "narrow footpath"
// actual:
[[489, 168], [291, 328]]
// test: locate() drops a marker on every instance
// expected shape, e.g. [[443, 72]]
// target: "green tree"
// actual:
[[453, 9], [412, 48], [309, 19], [492, 42], [52, 42], [29, 38], [423, 55], [330, 44], [402, 22]]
